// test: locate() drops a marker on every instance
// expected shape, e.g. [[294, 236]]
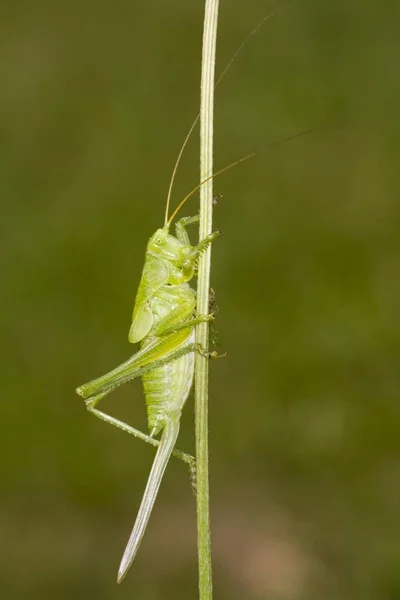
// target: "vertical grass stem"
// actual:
[[201, 368]]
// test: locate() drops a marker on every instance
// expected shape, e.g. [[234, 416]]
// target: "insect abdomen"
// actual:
[[167, 389]]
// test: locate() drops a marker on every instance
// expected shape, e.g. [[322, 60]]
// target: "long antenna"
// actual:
[[240, 160], [198, 186], [178, 160]]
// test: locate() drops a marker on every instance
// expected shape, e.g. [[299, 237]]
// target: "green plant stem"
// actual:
[[203, 287]]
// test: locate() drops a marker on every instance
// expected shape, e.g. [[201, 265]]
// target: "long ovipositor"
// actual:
[[167, 443]]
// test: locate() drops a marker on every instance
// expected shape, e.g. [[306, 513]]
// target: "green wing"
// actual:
[[155, 274]]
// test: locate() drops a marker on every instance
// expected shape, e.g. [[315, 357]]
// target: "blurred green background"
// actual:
[[95, 99]]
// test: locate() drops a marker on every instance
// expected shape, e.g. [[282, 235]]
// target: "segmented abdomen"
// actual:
[[167, 389]]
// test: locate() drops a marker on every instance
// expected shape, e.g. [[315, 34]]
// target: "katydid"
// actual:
[[163, 322]]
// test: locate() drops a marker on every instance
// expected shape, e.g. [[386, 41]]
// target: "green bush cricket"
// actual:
[[163, 322]]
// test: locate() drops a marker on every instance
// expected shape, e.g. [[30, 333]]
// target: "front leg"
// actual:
[[203, 245], [180, 228], [183, 236]]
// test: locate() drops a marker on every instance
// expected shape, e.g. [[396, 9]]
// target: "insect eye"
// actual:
[[159, 241]]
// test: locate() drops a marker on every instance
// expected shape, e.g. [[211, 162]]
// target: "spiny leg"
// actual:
[[180, 226], [204, 243], [194, 255], [93, 392], [181, 314], [182, 235], [91, 404], [190, 323], [129, 370], [92, 399]]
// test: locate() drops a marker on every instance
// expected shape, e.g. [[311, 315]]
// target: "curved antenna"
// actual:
[[198, 186], [243, 159], [178, 160]]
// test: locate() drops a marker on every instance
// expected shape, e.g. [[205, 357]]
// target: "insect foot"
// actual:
[[208, 240], [214, 354], [193, 477], [216, 198], [215, 234]]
